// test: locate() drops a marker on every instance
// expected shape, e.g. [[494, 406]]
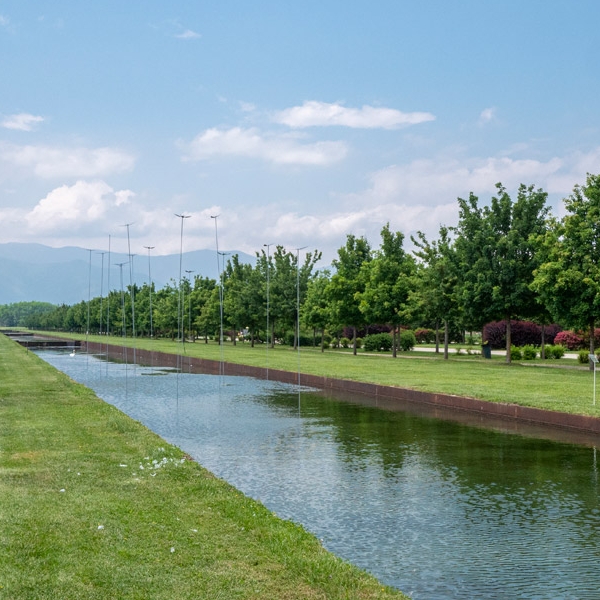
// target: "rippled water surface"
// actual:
[[438, 509]]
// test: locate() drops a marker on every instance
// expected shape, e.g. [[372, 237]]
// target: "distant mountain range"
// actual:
[[62, 275]]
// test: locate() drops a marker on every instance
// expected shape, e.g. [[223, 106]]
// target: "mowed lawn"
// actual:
[[561, 385], [93, 505]]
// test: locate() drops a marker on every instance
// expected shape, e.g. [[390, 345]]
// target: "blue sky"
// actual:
[[297, 123]]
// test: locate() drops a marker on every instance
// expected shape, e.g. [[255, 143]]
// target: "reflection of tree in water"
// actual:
[[504, 469]]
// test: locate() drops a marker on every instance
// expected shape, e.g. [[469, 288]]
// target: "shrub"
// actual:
[[359, 342], [407, 340], [344, 342], [424, 336], [523, 333], [583, 357], [529, 352], [570, 340], [377, 342], [515, 353], [556, 351]]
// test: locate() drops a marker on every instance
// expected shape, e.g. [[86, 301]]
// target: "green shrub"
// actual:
[[529, 352], [515, 353], [555, 352], [377, 342], [344, 342], [407, 340], [359, 342], [583, 357]]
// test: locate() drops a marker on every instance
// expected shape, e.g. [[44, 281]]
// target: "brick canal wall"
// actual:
[[389, 396]]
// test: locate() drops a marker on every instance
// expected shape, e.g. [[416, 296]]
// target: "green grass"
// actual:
[[560, 385], [80, 518]]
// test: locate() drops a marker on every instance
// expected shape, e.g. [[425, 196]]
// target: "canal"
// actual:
[[437, 508]]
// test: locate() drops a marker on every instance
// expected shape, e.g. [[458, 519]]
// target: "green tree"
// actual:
[[496, 245], [437, 281], [568, 282], [348, 283], [387, 283], [316, 312]]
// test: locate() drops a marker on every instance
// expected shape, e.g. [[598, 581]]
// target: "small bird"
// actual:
[[72, 353]]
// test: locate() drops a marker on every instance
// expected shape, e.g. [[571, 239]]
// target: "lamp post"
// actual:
[[221, 367], [190, 304], [131, 289], [179, 305], [268, 246], [298, 307], [150, 288]]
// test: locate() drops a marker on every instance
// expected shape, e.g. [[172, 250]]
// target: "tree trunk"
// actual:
[[446, 338], [323, 340], [437, 335], [354, 340], [394, 342], [508, 340], [543, 347]]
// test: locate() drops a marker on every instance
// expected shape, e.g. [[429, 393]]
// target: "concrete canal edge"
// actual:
[[388, 394]]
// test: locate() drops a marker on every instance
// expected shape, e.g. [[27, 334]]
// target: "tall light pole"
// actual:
[[101, 288], [190, 303], [108, 305], [87, 330], [215, 217], [132, 289], [268, 246], [123, 326], [298, 307], [150, 288], [179, 307]]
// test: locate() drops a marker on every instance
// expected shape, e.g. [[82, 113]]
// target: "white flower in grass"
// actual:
[[172, 549], [100, 526], [122, 465], [63, 490]]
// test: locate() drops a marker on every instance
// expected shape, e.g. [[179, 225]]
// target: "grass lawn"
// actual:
[[560, 385], [94, 505]]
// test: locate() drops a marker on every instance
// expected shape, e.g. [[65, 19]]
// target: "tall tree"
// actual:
[[568, 281], [316, 312], [497, 251], [437, 281], [348, 283], [387, 283]]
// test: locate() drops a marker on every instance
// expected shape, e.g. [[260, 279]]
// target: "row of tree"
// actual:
[[506, 260]]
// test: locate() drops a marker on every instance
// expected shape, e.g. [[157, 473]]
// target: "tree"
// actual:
[[316, 312], [348, 283], [437, 281], [387, 283], [497, 251], [568, 281]]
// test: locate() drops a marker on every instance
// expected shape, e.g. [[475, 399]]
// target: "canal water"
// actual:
[[438, 509]]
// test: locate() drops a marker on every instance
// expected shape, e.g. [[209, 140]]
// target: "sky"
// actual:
[[295, 123]]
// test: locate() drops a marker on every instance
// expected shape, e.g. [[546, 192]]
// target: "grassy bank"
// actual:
[[559, 385], [93, 505]]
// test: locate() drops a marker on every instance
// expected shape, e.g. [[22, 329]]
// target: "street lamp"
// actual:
[[268, 246], [190, 305], [150, 288], [179, 305], [298, 307], [132, 290]]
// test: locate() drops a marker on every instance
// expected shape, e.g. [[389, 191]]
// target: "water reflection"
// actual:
[[435, 508]]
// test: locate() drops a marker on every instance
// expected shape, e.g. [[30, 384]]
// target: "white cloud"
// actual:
[[487, 115], [49, 162], [188, 34], [313, 114], [250, 143], [4, 21], [69, 208], [21, 122]]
